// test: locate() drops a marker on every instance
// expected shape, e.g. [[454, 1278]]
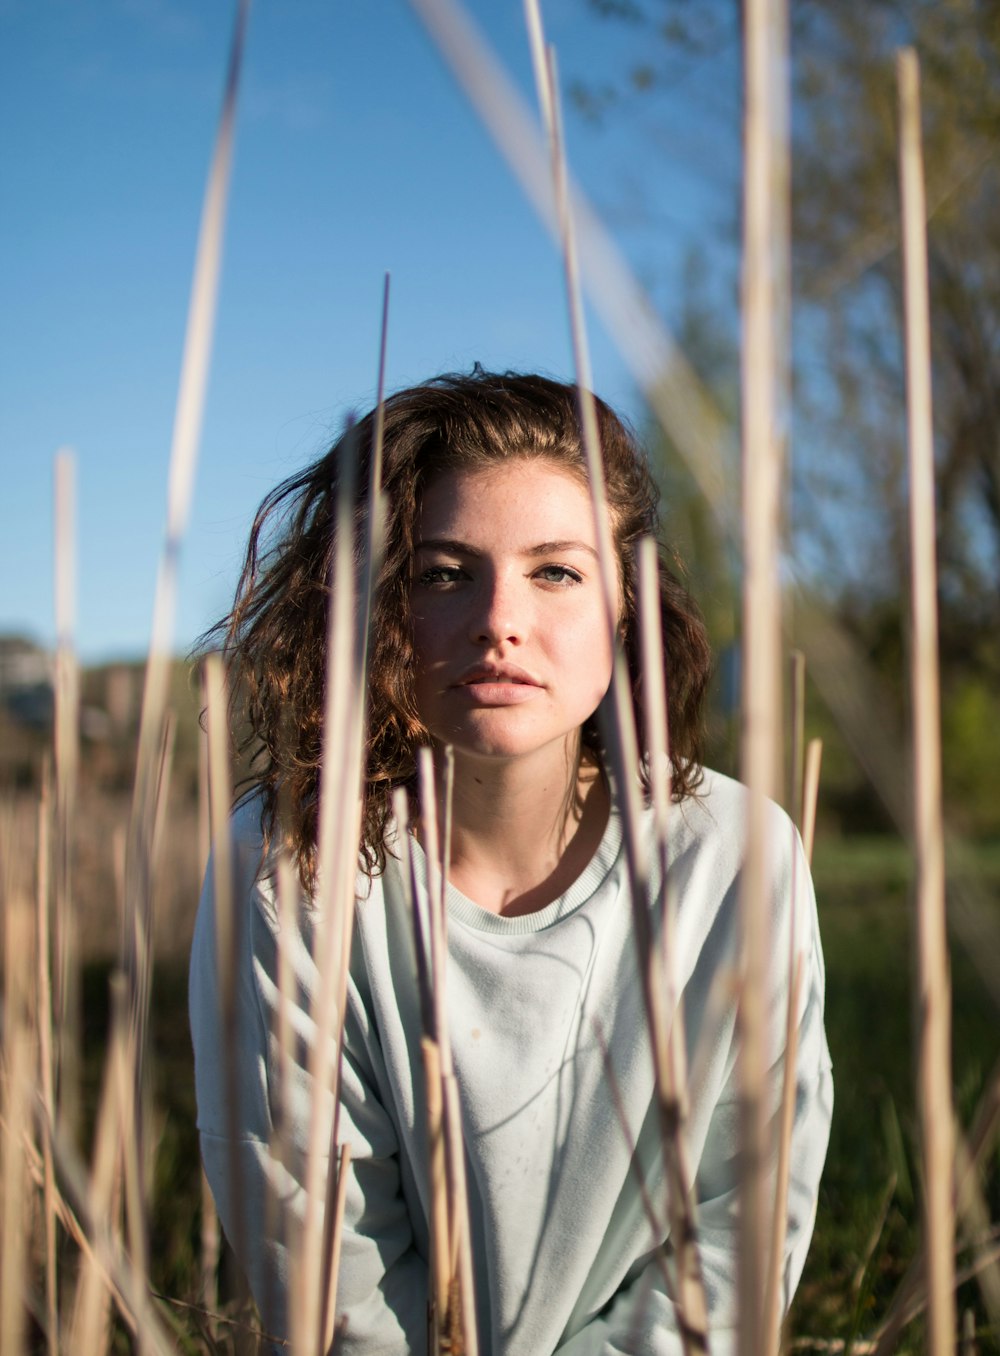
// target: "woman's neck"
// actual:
[[521, 835]]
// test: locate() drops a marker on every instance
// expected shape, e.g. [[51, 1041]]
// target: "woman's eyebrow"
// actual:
[[548, 548], [446, 544], [544, 548]]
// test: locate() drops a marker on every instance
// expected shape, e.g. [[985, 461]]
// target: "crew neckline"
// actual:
[[462, 909]]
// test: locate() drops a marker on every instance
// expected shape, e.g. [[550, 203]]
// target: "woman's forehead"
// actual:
[[534, 492]]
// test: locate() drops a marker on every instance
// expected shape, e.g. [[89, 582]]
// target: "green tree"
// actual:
[[849, 535]]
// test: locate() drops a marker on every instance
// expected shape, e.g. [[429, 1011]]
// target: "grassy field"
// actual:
[[868, 1224]]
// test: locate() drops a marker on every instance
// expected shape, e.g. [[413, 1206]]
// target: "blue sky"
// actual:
[[355, 155]]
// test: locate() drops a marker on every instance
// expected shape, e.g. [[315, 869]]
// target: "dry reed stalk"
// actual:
[[646, 1200], [447, 818], [288, 907], [46, 1078], [855, 694], [376, 500], [973, 1212], [228, 917], [908, 1301], [796, 743], [906, 1309], [934, 1076], [334, 1237], [89, 1229], [339, 833], [463, 1287], [681, 403], [183, 459], [436, 1050], [665, 1016], [18, 1091], [985, 1125], [454, 1284], [810, 795], [763, 412], [35, 1166], [338, 836], [460, 1254], [622, 734], [544, 61], [331, 903], [161, 799], [66, 988], [210, 1238], [137, 910], [436, 881], [439, 1213], [773, 1291], [91, 1323], [968, 1347], [659, 766], [123, 1063], [276, 1219]]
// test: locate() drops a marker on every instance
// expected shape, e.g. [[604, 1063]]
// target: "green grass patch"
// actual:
[[868, 1223]]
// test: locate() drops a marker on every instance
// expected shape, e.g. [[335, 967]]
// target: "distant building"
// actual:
[[26, 682], [23, 665]]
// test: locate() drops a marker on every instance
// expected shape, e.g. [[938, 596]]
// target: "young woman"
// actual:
[[490, 635]]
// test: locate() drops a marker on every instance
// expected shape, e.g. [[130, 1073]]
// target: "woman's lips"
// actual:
[[500, 684], [497, 692]]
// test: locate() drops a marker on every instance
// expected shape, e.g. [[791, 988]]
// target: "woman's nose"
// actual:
[[498, 618]]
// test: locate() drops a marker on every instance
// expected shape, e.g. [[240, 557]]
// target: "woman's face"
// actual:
[[510, 634]]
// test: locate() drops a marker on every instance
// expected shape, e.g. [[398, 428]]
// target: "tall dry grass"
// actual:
[[76, 1234]]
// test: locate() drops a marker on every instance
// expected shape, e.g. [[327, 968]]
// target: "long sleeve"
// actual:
[[258, 1180], [641, 1320]]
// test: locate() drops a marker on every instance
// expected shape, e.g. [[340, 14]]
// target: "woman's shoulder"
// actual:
[[719, 808], [710, 831]]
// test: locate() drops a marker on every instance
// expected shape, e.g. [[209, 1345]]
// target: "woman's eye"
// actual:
[[440, 574], [559, 574]]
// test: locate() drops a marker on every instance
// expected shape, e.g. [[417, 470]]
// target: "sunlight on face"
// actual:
[[510, 632]]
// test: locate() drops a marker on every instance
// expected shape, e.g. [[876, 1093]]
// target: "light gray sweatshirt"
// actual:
[[563, 1251]]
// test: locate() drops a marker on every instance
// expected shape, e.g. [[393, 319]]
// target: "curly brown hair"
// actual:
[[275, 635]]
